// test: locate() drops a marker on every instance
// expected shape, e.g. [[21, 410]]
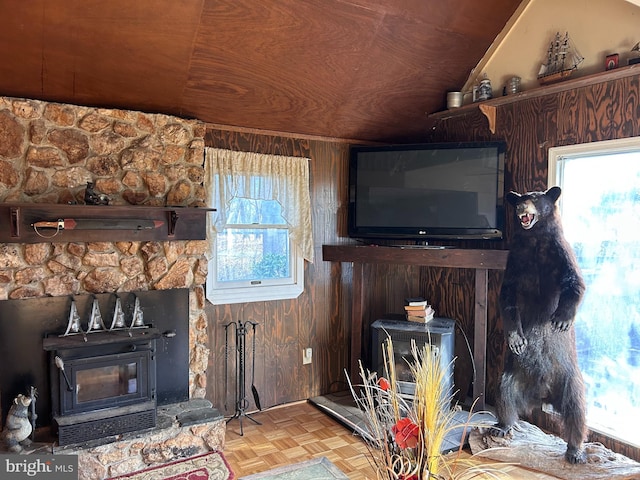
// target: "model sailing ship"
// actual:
[[562, 59]]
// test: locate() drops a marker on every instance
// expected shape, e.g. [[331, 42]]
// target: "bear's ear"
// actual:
[[513, 197], [553, 193]]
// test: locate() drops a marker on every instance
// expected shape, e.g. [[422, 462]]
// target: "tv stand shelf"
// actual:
[[480, 260]]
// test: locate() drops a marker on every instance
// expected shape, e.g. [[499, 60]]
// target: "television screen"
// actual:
[[439, 190]]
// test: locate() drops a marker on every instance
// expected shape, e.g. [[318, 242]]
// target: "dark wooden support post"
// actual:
[[480, 336], [357, 306]]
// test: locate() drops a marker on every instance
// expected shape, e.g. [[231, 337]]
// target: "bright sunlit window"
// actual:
[[254, 258], [254, 245], [600, 207], [260, 234]]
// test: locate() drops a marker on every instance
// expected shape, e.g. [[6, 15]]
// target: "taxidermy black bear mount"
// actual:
[[539, 297]]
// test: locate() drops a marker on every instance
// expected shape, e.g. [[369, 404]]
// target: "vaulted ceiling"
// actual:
[[353, 69]]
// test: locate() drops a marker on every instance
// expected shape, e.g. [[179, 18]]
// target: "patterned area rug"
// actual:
[[316, 469], [208, 466]]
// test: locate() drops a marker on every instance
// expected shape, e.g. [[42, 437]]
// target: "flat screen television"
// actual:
[[418, 192]]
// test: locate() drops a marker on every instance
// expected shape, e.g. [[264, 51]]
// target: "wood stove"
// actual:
[[103, 384], [32, 335]]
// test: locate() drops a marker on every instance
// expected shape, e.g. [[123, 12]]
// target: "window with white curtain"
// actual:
[[261, 233], [600, 207]]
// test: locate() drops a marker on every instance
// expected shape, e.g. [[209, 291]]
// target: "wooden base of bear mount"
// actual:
[[530, 447]]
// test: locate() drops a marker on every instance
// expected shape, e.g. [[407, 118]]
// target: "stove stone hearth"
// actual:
[[182, 430]]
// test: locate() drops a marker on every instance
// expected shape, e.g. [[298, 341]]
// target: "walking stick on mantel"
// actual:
[[241, 330]]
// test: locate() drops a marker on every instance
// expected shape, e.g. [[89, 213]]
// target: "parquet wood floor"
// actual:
[[299, 431]]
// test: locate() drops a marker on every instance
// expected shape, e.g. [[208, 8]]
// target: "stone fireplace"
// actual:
[[48, 153], [128, 432]]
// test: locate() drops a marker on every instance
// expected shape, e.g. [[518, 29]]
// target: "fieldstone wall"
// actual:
[[48, 153]]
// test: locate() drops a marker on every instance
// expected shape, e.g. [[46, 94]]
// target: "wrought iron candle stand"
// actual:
[[241, 331]]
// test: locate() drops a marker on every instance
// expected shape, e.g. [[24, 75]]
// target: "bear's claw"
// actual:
[[560, 325], [499, 431], [561, 322], [517, 344], [576, 455]]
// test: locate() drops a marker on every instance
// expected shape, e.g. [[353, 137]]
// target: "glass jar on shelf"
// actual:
[[483, 90]]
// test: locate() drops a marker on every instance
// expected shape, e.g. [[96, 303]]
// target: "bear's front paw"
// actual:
[[500, 431], [560, 324], [575, 455], [516, 343]]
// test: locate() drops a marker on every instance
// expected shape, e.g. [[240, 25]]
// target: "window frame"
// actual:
[[555, 177], [231, 174], [220, 294], [584, 149]]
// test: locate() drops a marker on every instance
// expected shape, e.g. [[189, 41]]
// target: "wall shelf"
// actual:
[[488, 107], [480, 260], [93, 223]]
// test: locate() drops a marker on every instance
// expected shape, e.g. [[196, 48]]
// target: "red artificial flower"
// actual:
[[411, 477], [406, 433], [383, 383]]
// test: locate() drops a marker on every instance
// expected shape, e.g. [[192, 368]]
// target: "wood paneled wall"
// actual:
[[318, 318]]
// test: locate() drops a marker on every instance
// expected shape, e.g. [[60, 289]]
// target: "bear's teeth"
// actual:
[[526, 218]]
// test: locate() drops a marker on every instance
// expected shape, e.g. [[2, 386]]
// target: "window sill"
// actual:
[[255, 294], [259, 293]]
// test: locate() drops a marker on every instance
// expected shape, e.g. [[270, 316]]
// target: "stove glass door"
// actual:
[[106, 381]]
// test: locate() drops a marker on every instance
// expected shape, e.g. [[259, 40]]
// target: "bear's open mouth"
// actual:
[[527, 220]]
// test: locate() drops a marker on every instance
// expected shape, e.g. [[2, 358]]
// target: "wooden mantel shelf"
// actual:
[[97, 223], [488, 107], [434, 257], [480, 260]]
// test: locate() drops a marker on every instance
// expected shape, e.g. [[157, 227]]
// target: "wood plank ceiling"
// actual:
[[353, 69]]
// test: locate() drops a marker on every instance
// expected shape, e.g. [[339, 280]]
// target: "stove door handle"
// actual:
[[60, 365]]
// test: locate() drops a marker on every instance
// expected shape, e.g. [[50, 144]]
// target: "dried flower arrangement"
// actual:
[[406, 434]]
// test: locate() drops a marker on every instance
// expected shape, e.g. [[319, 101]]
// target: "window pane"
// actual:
[[246, 211], [252, 254], [253, 258], [600, 207]]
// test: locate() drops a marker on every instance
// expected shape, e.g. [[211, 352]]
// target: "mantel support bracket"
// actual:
[[489, 111], [14, 215], [173, 219]]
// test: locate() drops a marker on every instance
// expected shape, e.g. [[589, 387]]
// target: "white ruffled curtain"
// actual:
[[240, 173]]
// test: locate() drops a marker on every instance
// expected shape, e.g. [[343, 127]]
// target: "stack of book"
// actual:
[[418, 310]]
